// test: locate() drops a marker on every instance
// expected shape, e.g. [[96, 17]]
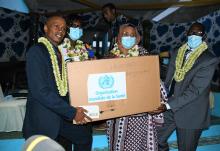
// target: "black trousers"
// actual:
[[187, 139], [80, 136]]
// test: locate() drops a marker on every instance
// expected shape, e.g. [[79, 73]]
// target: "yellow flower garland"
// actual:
[[182, 69], [133, 52], [61, 80], [79, 50]]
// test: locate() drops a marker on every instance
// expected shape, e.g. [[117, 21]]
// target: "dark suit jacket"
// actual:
[[190, 102], [45, 108]]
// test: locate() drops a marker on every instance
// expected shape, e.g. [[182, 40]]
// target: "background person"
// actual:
[[115, 20], [72, 48]]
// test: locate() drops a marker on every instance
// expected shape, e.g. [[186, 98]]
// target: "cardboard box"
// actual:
[[115, 87]]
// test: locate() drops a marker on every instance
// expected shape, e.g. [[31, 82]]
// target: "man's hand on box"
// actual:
[[160, 109], [81, 117]]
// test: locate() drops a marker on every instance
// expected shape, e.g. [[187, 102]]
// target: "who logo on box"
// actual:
[[106, 87], [106, 81]]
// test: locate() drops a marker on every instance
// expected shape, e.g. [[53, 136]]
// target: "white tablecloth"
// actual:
[[12, 114]]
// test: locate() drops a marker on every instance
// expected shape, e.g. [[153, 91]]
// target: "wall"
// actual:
[[166, 36], [14, 35]]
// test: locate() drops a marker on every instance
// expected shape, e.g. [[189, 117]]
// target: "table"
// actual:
[[12, 114]]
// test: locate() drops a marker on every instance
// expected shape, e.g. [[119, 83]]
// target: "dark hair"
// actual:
[[54, 15], [200, 25], [49, 17], [131, 25], [109, 5], [70, 19]]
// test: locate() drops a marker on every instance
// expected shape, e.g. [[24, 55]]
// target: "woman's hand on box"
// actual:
[[160, 109]]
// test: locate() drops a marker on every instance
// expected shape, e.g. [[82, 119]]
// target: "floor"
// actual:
[[210, 139]]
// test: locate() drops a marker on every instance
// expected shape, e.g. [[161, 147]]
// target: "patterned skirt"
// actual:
[[136, 132]]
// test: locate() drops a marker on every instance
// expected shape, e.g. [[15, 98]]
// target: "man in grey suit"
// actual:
[[188, 81]]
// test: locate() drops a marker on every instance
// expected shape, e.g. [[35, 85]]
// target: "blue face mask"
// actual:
[[194, 41], [75, 33], [128, 42], [166, 61]]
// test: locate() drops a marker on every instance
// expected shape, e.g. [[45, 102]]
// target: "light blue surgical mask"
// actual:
[[165, 61], [194, 41], [75, 33], [128, 41]]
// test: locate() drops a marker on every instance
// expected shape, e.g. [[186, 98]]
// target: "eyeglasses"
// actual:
[[198, 33]]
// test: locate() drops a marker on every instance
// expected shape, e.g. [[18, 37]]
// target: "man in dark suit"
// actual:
[[47, 110], [188, 80]]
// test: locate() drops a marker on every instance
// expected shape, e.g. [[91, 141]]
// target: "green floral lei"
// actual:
[[78, 51], [182, 69], [61, 80], [133, 52]]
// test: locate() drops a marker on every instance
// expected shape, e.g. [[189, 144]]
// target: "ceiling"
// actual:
[[146, 9]]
